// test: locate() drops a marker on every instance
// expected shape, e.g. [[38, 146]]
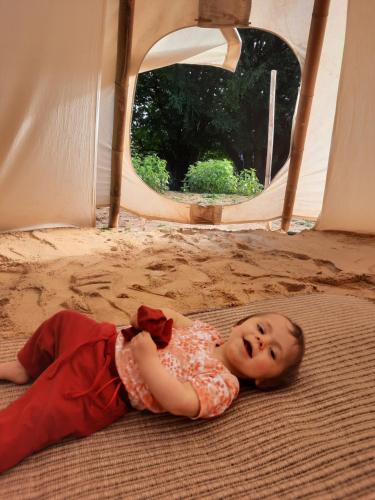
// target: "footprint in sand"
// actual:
[[181, 260], [179, 237], [201, 258], [16, 253], [231, 299], [328, 265], [292, 287], [241, 256], [161, 266], [238, 255], [247, 269], [283, 253], [77, 304], [89, 285], [11, 273], [3, 301], [88, 296], [243, 246], [42, 239]]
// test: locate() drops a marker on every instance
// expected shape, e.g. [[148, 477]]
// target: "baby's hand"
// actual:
[[142, 346]]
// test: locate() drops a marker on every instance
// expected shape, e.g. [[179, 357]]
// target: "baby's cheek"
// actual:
[[263, 367]]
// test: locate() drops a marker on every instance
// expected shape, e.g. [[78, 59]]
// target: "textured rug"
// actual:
[[314, 440]]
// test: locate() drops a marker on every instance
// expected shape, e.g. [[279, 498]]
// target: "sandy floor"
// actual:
[[108, 273]]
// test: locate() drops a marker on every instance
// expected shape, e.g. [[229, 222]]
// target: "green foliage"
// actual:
[[153, 171], [219, 177], [248, 183], [212, 176]]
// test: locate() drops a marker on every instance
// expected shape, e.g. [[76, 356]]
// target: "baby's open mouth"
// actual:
[[248, 347]]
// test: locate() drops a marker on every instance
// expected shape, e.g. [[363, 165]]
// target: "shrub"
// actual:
[[211, 176], [248, 183], [218, 176], [153, 171]]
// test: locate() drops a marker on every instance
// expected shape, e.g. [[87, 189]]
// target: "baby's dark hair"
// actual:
[[289, 374]]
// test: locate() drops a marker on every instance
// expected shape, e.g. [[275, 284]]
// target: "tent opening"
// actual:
[[200, 133]]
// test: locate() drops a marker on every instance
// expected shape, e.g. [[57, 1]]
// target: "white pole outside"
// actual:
[[271, 130], [271, 127]]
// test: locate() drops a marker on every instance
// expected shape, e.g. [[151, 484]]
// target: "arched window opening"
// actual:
[[199, 134]]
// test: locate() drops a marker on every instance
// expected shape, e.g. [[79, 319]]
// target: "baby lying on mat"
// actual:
[[88, 374]]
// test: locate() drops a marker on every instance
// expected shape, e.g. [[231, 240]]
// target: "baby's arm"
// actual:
[[178, 398], [179, 320]]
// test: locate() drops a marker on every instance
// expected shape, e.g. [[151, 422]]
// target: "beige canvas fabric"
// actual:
[[290, 20], [349, 201], [50, 57], [57, 62], [205, 46]]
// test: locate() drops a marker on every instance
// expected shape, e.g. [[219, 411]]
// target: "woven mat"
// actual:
[[314, 440]]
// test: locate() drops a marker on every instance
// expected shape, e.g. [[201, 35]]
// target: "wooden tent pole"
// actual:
[[125, 25], [314, 48]]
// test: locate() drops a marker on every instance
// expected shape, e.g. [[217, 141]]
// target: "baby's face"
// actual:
[[261, 347]]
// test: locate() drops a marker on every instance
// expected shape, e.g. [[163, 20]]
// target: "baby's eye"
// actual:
[[260, 329], [273, 355]]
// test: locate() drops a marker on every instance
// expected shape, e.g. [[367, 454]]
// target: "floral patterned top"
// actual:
[[189, 358]]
